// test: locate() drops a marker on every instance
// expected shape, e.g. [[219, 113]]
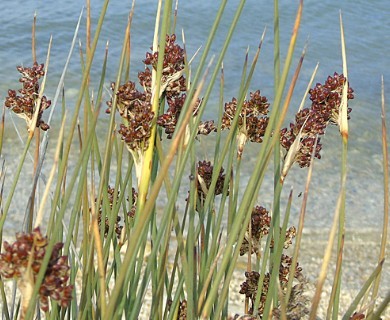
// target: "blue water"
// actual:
[[367, 29]]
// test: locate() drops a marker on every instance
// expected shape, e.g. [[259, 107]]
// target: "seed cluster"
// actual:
[[135, 108], [205, 174], [260, 224], [118, 227], [290, 235], [308, 124], [175, 87], [174, 61], [326, 99], [134, 197], [313, 121], [250, 285], [182, 314], [253, 118], [298, 306], [25, 104], [15, 260]]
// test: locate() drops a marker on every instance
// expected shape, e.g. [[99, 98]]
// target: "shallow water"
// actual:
[[367, 30]]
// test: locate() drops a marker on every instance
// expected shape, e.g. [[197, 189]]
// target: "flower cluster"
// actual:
[[173, 82], [25, 104], [290, 234], [182, 314], [17, 256], [135, 108], [174, 87], [134, 197], [300, 138], [252, 121], [259, 227], [250, 285], [169, 119], [306, 128], [284, 270], [298, 306], [118, 227], [260, 224], [326, 99], [204, 176]]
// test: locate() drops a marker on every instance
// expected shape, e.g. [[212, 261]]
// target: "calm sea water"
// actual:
[[367, 28]]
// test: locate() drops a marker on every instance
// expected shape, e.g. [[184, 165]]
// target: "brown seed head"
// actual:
[[25, 104], [15, 259]]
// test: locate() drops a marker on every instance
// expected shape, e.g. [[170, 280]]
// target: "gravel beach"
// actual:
[[360, 256]]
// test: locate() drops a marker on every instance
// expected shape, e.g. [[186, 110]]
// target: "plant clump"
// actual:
[[186, 256], [26, 254], [26, 103]]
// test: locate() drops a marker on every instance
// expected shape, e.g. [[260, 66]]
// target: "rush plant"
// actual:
[[135, 222]]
